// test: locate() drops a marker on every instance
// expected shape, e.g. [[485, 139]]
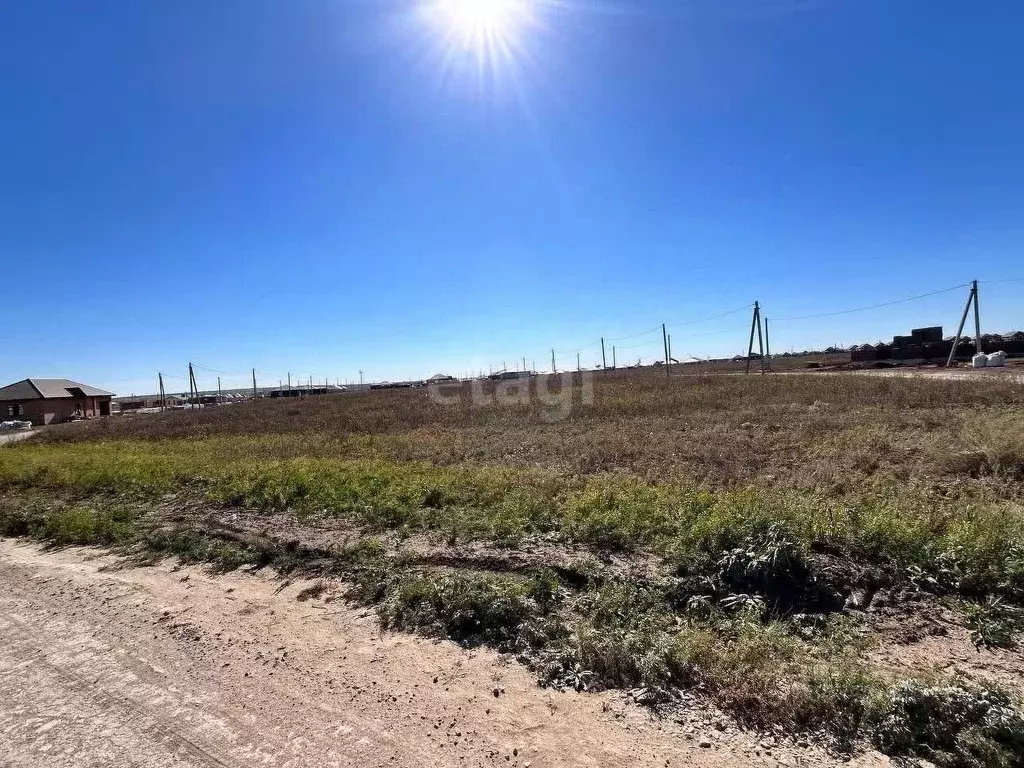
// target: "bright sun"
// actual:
[[480, 24]]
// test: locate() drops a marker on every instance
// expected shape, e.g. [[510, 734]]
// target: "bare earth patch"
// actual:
[[168, 666]]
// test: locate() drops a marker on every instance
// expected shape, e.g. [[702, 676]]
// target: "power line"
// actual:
[[574, 351], [715, 333], [635, 335], [1005, 280], [209, 370], [873, 306], [712, 317], [635, 346]]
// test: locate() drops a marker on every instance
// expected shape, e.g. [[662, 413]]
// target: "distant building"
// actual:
[[506, 375], [51, 401], [304, 390], [138, 402]]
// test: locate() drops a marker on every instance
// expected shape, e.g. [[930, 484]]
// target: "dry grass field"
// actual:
[[781, 546]]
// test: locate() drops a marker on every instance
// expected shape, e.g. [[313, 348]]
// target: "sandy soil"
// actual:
[[963, 374], [160, 666], [14, 437]]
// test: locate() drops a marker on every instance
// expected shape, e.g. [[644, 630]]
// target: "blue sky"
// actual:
[[325, 187]]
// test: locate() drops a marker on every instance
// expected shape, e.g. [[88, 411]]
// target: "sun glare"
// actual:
[[483, 24]]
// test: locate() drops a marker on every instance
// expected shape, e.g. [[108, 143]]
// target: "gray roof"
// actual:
[[40, 389]]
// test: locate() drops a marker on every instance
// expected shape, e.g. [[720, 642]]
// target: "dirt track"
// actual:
[[102, 665]]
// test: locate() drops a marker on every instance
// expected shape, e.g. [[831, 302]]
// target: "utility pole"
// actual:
[[760, 339], [972, 298], [553, 362], [977, 318], [193, 388], [289, 380], [755, 325], [360, 379], [524, 363], [604, 362], [615, 363], [219, 394], [578, 369], [254, 383], [664, 339], [163, 398]]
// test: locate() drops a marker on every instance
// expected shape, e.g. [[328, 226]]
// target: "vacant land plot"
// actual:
[[816, 554]]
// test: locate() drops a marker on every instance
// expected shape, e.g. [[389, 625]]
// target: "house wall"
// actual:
[[56, 410]]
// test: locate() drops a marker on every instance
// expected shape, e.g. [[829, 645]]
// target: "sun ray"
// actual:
[[487, 30]]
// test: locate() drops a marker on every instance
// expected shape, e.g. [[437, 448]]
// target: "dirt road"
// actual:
[[104, 665], [14, 437]]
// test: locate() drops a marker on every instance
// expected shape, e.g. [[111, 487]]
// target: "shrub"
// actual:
[[955, 725]]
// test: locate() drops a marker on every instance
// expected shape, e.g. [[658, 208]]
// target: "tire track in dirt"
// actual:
[[162, 667]]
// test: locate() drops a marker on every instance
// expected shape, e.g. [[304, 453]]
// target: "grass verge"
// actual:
[[719, 627]]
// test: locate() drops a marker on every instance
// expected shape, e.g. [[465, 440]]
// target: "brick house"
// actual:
[[51, 401]]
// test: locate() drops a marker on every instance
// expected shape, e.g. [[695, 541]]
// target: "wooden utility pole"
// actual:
[[972, 298], [163, 397], [664, 339], [604, 363], [760, 338], [254, 383], [977, 318], [193, 388], [755, 325]]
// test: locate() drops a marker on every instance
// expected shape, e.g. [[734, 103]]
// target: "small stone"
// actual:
[[704, 744]]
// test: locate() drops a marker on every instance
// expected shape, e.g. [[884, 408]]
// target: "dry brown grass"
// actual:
[[828, 432], [757, 504]]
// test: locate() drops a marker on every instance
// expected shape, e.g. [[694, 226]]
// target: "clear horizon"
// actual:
[[405, 189]]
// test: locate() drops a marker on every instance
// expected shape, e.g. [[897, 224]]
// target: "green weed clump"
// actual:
[[953, 545], [956, 724], [502, 612], [80, 524]]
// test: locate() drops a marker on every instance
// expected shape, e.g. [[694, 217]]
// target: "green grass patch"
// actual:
[[962, 546]]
